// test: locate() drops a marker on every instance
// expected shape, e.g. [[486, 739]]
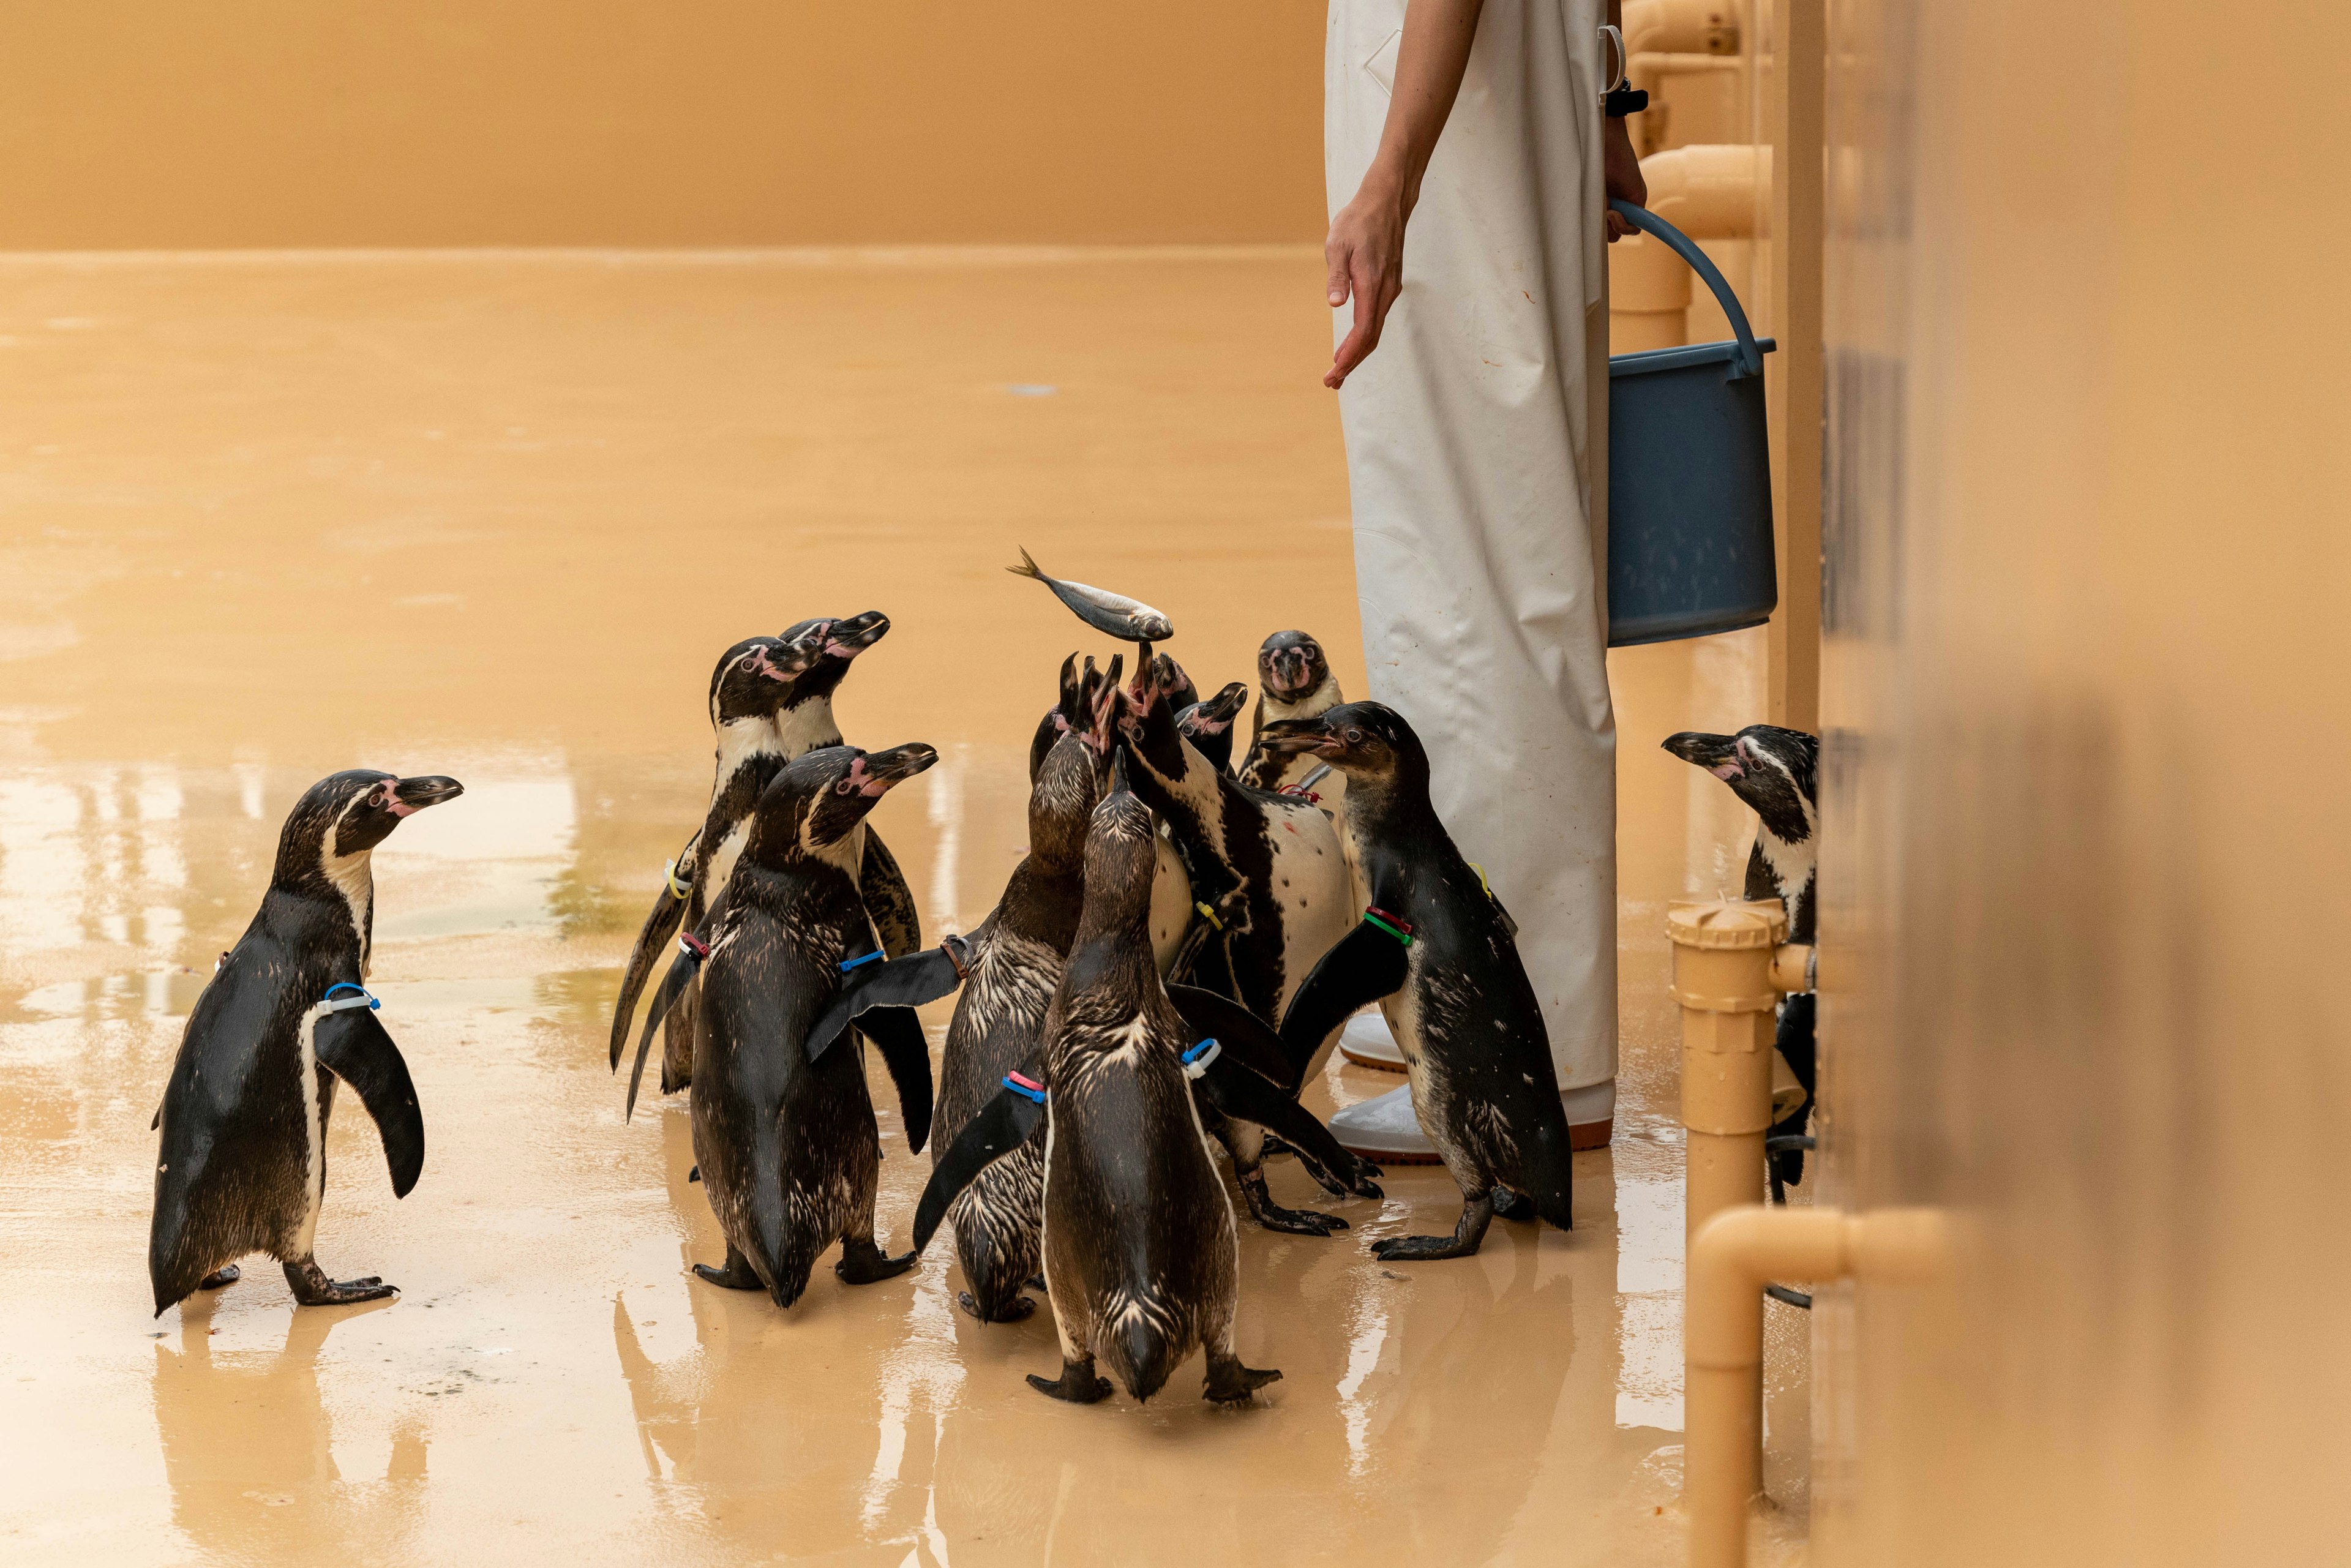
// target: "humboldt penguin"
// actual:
[[1209, 724], [771, 701], [1011, 967], [1270, 884], [1294, 681], [1436, 950], [1142, 1256], [243, 1163], [784, 1132], [1777, 772]]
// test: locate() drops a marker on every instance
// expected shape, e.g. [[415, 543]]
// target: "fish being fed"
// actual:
[[1099, 608]]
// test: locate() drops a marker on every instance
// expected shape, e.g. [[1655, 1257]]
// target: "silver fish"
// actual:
[[1099, 608]]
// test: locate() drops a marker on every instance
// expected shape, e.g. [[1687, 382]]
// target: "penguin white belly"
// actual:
[[1313, 887], [316, 1100], [1171, 902]]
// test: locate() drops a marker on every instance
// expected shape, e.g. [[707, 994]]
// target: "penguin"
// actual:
[[242, 1166], [771, 701], [1436, 949], [1011, 967], [1209, 724], [1777, 772], [1270, 882], [1294, 681], [1142, 1256], [784, 1133]]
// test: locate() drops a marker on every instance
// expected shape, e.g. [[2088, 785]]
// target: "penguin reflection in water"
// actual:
[[243, 1163], [784, 1133], [1436, 951]]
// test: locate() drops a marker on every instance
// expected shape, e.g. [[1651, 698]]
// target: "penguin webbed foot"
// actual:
[[1355, 1181], [1467, 1236], [1291, 1221], [863, 1263], [226, 1275], [1011, 1310], [1230, 1383], [311, 1287], [738, 1275], [1077, 1385]]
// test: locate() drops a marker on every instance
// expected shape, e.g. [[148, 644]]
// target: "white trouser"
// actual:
[[1471, 452]]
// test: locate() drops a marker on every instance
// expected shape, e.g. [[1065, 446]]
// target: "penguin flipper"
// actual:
[[1246, 1095], [1363, 966], [682, 973], [897, 982], [998, 1127], [888, 900], [1241, 1032], [355, 1047], [897, 1034], [661, 925]]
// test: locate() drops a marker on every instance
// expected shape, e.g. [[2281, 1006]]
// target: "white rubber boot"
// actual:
[[1386, 1131], [1367, 1041]]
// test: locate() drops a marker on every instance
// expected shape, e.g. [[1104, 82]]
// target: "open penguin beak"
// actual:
[[1717, 753], [411, 795], [847, 638], [1289, 736], [877, 772]]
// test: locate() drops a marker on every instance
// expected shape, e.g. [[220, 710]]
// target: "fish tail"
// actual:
[[1028, 568]]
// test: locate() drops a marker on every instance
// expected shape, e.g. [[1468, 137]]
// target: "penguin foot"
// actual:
[[739, 1274], [863, 1263], [1011, 1311], [228, 1274], [1230, 1383], [1292, 1222], [1078, 1384], [311, 1287], [1509, 1205], [1476, 1215]]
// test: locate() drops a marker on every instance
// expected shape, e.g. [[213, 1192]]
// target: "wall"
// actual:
[[235, 123], [2086, 857]]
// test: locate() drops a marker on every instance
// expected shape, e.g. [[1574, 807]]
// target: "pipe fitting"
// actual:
[[1732, 1257], [1704, 27]]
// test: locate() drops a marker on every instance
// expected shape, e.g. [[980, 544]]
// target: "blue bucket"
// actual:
[[1689, 478]]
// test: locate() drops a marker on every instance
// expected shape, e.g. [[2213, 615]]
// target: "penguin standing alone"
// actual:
[[242, 1162], [771, 701], [1777, 772], [1436, 949]]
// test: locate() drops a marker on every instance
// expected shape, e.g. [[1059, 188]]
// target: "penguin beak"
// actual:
[[791, 660], [1289, 736], [415, 794], [847, 638], [1287, 671], [1717, 753], [883, 770]]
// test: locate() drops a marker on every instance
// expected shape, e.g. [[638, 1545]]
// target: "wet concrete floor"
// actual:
[[494, 516]]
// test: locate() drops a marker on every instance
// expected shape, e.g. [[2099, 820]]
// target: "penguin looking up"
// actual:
[[1294, 681], [1435, 950], [242, 1162], [771, 701], [1777, 772], [1209, 724]]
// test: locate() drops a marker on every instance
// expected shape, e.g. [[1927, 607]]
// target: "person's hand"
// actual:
[[1366, 256], [1620, 174]]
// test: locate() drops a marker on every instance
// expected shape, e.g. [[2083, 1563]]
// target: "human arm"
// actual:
[[1365, 252], [1620, 167]]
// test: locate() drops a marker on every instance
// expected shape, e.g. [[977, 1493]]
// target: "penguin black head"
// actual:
[[810, 807], [347, 814], [760, 677], [1209, 724], [1291, 666], [1121, 856], [1369, 742], [1776, 771], [1147, 716]]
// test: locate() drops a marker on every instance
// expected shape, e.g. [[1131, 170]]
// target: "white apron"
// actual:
[[1472, 455]]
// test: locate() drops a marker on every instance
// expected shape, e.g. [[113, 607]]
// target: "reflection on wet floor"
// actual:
[[551, 1380]]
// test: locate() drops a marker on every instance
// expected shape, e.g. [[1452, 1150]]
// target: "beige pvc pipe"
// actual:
[[1723, 950], [1732, 1257]]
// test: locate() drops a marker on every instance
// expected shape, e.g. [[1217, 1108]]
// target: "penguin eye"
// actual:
[[747, 663], [1354, 737], [841, 787]]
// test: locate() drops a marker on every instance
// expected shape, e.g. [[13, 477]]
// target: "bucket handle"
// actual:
[[1750, 358]]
